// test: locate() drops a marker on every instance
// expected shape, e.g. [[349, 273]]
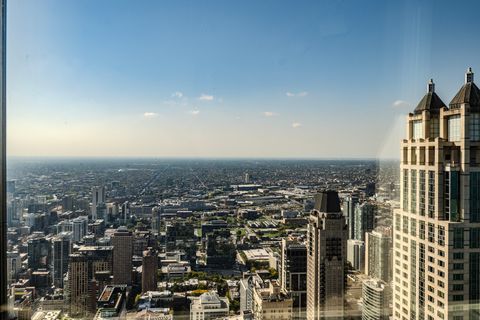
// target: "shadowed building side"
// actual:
[[326, 258], [122, 242]]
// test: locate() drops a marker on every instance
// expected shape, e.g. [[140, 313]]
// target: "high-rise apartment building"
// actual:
[[79, 227], [149, 270], [85, 267], [78, 283], [326, 258], [364, 219], [356, 254], [14, 265], [246, 285], [98, 198], [60, 257], [39, 251], [376, 297], [293, 274], [122, 242], [349, 204], [437, 230], [378, 254]]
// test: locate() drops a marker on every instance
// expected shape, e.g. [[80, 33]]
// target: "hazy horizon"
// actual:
[[14, 157]]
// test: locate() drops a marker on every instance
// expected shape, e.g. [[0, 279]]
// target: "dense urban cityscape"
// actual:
[[138, 238], [255, 239], [254, 160]]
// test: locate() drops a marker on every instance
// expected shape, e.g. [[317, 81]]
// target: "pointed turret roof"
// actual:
[[430, 101], [468, 93]]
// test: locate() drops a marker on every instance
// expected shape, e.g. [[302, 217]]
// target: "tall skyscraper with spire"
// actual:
[[326, 258], [437, 229]]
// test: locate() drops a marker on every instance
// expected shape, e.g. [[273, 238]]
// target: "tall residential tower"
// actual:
[[98, 200], [378, 254], [293, 274]]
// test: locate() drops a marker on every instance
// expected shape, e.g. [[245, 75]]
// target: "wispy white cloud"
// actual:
[[296, 125], [150, 114], [206, 97], [400, 104], [270, 114], [177, 94], [176, 102], [194, 112], [297, 94]]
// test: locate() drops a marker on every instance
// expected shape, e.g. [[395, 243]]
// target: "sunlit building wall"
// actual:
[[437, 230]]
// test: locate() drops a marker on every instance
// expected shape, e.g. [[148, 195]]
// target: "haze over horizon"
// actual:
[[13, 157], [227, 80]]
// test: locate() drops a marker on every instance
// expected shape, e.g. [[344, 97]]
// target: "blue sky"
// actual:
[[228, 78]]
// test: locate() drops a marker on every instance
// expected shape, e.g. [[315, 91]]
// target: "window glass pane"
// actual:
[[474, 126], [454, 128], [417, 129]]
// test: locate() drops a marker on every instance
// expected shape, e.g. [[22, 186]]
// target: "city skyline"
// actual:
[[240, 160], [263, 82]]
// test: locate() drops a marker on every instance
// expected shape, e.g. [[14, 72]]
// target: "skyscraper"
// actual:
[[246, 285], [149, 270], [376, 296], [378, 254], [14, 264], [326, 258], [349, 205], [78, 282], [364, 219], [60, 257], [79, 227], [84, 268], [122, 242], [437, 230], [98, 198], [293, 274], [356, 254], [39, 252]]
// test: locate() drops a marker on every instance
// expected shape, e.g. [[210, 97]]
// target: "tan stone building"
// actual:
[[270, 302], [437, 230], [209, 306], [83, 268]]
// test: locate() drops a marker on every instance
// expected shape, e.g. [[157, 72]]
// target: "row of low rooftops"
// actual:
[[469, 94]]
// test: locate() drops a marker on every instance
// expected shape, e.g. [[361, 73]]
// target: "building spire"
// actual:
[[431, 86], [469, 75]]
